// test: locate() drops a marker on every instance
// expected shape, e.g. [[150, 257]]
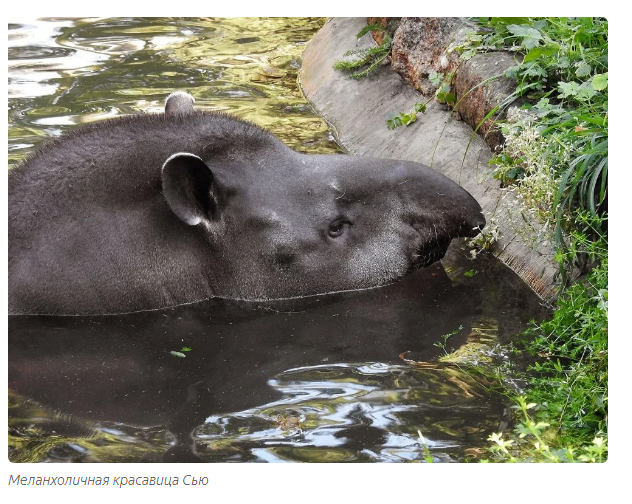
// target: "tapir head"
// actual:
[[282, 224]]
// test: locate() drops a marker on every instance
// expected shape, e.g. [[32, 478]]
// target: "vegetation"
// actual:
[[557, 144], [568, 379], [444, 339], [366, 60], [537, 448], [555, 159]]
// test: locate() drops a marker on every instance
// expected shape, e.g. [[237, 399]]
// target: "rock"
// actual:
[[390, 24], [481, 86], [422, 46]]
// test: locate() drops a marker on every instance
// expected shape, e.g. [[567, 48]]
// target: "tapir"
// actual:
[[150, 211]]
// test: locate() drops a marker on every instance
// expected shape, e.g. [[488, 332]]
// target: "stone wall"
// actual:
[[422, 46]]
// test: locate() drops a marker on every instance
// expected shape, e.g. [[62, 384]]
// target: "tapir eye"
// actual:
[[337, 227]]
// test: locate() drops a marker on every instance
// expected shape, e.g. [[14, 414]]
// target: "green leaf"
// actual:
[[469, 273], [435, 78], [508, 20], [535, 70], [515, 173], [568, 89], [600, 82], [512, 71], [563, 62], [530, 36], [585, 91], [583, 70], [408, 118], [539, 52], [469, 54], [371, 28]]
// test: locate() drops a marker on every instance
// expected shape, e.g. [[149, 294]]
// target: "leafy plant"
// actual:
[[538, 445], [366, 60], [577, 337], [564, 78], [444, 339], [443, 94], [568, 376], [405, 119]]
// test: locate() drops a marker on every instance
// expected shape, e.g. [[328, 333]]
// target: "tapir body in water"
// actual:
[[150, 211]]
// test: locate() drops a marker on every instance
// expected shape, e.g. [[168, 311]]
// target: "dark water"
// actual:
[[345, 377]]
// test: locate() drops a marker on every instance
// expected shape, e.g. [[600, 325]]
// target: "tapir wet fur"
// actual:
[[156, 210]]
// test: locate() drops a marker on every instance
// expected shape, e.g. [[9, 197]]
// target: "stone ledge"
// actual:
[[481, 86], [422, 46], [357, 111]]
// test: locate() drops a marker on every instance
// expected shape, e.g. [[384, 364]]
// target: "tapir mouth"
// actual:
[[433, 249], [429, 254]]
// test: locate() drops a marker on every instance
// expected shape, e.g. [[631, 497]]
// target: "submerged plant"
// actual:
[[444, 338], [427, 456]]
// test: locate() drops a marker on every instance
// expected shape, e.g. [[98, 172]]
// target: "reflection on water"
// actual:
[[345, 377], [351, 376], [67, 72]]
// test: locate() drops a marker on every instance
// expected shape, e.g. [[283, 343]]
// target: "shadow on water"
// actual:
[[348, 376]]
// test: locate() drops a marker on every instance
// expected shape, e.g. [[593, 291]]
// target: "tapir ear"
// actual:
[[179, 102], [188, 186]]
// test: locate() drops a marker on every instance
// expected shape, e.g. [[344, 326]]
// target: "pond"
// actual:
[[345, 377]]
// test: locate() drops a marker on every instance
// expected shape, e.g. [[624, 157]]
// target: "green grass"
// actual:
[[557, 149], [556, 159], [567, 380]]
